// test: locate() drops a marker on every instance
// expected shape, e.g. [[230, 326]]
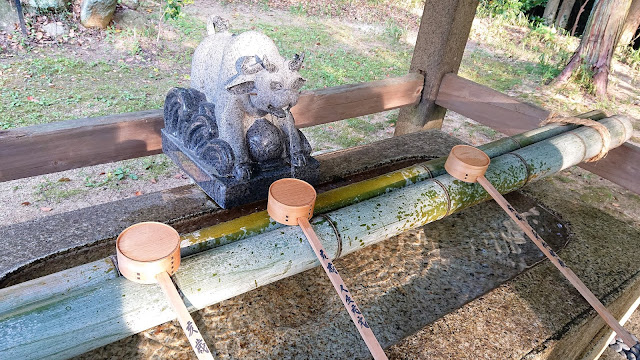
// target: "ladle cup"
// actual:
[[291, 202], [149, 252]]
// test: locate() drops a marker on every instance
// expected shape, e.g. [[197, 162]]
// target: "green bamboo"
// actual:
[[259, 222], [87, 317]]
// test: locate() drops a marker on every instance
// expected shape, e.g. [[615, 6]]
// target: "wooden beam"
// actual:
[[511, 116], [487, 106], [443, 34], [348, 101], [54, 147], [621, 166]]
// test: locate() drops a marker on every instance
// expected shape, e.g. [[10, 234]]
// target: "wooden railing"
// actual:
[[59, 146], [510, 116], [54, 147]]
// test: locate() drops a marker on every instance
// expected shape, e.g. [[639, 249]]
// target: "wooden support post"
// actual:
[[443, 34]]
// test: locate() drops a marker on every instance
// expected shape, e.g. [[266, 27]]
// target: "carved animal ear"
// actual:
[[241, 85], [269, 66], [296, 63], [298, 83], [250, 65]]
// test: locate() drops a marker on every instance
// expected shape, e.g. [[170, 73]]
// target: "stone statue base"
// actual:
[[228, 192]]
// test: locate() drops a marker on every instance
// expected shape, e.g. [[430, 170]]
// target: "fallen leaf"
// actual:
[[102, 173], [138, 193], [616, 205], [26, 203], [64, 179], [46, 209]]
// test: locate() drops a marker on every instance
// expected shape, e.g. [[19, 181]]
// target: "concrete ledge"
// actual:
[[440, 292], [44, 246]]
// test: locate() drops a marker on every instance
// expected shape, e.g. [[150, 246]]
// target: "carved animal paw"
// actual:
[[242, 171], [298, 159]]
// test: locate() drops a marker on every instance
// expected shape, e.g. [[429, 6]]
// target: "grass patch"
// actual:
[[329, 61], [155, 166], [56, 191], [43, 90], [484, 68]]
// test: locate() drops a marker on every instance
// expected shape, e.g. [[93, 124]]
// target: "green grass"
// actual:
[[330, 61], [190, 27], [484, 68], [56, 191], [42, 90]]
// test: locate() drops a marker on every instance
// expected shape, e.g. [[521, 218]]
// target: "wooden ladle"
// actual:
[[291, 202], [469, 164], [149, 252]]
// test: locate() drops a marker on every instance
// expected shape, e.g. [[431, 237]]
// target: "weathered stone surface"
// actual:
[[131, 4], [69, 239], [129, 19], [8, 16], [246, 79], [45, 4], [233, 131], [55, 29], [97, 13]]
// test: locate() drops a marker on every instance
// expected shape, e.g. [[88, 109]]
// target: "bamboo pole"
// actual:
[[256, 223], [259, 222], [87, 317]]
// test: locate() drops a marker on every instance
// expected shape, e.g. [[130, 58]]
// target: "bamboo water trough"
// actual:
[[71, 312]]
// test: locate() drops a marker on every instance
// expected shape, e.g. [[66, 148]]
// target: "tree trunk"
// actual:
[[575, 23], [564, 13], [550, 11], [599, 40], [631, 25]]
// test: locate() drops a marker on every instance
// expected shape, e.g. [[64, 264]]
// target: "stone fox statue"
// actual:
[[245, 77]]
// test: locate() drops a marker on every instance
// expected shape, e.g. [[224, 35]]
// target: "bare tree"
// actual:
[[550, 11], [564, 13], [598, 43], [631, 25]]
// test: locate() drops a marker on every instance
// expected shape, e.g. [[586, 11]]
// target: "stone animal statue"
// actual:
[[245, 78]]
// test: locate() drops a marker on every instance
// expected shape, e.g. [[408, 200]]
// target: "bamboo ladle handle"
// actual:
[[291, 202], [149, 252], [469, 164], [186, 321]]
